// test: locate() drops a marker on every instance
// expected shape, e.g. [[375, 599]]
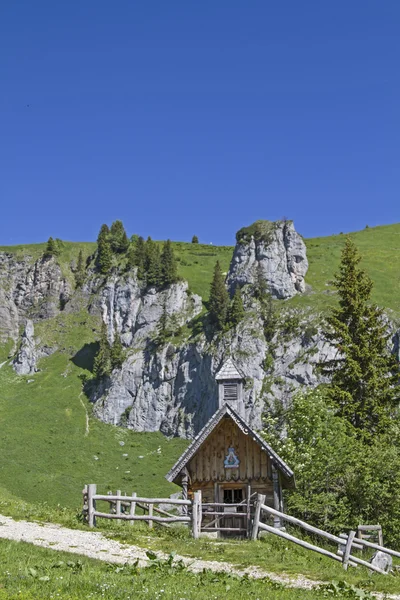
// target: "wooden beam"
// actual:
[[275, 483], [257, 511], [347, 551], [92, 504]]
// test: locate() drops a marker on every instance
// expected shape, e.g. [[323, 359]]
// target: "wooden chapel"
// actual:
[[229, 462]]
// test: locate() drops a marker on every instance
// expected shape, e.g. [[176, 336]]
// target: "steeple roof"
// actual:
[[228, 371]]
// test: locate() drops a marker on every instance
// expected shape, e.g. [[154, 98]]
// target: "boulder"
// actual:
[[382, 560], [25, 361]]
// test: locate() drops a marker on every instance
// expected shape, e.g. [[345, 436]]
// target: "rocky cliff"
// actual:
[[169, 385], [273, 251], [29, 290]]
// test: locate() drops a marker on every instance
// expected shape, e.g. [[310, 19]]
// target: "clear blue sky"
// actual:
[[183, 117]]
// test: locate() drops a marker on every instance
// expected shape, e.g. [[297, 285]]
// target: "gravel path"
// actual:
[[95, 545]]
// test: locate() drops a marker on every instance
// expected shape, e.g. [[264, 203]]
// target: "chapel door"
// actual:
[[234, 496]]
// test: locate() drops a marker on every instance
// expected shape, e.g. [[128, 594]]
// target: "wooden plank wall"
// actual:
[[208, 463]]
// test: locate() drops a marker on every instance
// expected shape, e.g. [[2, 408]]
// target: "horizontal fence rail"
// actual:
[[348, 542]]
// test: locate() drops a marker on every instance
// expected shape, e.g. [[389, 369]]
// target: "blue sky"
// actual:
[[186, 117]]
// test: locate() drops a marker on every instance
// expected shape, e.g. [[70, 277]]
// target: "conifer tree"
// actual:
[[118, 238], [51, 248], [117, 354], [169, 269], [260, 284], [162, 327], [103, 233], [152, 264], [236, 310], [195, 239], [364, 373], [102, 366], [219, 299], [140, 257], [104, 256], [80, 271]]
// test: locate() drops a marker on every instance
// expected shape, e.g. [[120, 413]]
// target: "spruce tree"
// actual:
[[104, 256], [103, 233], [118, 238], [364, 373], [169, 269], [102, 365], [152, 264], [260, 284], [236, 309], [80, 271], [195, 239], [51, 248], [140, 257], [219, 299], [117, 354]]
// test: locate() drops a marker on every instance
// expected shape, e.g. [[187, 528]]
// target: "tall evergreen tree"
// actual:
[[195, 239], [140, 257], [117, 354], [103, 233], [102, 366], [104, 256], [51, 248], [169, 269], [153, 264], [236, 310], [260, 284], [364, 374], [219, 299], [80, 271], [118, 238]]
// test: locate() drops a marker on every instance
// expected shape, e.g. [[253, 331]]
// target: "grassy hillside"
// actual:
[[47, 454]]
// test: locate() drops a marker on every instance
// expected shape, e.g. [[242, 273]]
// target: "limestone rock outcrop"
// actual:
[[277, 250], [29, 289], [25, 361]]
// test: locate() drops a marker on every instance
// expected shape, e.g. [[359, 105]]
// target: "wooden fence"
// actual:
[[346, 543], [124, 508]]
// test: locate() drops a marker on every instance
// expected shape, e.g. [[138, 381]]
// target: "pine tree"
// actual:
[[236, 310], [102, 366], [104, 256], [118, 238], [140, 257], [103, 233], [117, 354], [219, 299], [195, 239], [51, 248], [152, 264], [169, 269], [260, 284], [269, 316], [162, 327], [80, 271], [364, 374]]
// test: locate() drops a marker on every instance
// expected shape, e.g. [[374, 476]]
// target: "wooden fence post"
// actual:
[[150, 515], [132, 509], [118, 505], [347, 551], [195, 514], [257, 511], [85, 507], [200, 509], [91, 504]]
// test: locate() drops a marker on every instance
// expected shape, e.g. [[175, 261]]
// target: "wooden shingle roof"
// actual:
[[226, 410], [228, 371]]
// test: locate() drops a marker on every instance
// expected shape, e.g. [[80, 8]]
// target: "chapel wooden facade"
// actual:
[[228, 461]]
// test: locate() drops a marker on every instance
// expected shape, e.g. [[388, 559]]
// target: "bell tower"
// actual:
[[230, 387]]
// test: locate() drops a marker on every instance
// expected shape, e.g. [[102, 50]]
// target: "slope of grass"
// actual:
[[28, 572], [47, 453]]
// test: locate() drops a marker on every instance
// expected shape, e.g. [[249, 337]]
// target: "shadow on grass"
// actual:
[[84, 358]]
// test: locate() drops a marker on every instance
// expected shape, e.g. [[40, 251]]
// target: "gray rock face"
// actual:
[[382, 561], [173, 390], [28, 289], [25, 361], [282, 260]]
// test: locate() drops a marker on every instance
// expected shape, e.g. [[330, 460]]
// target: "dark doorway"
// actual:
[[234, 496]]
